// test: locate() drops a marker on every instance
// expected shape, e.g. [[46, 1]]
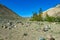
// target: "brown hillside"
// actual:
[[55, 11], [6, 13]]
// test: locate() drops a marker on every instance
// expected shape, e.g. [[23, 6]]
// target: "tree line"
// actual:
[[38, 17]]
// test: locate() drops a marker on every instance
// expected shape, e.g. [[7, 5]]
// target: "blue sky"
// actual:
[[25, 8]]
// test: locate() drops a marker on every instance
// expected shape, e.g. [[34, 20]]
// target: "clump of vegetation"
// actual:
[[52, 19], [34, 17], [49, 18], [38, 17]]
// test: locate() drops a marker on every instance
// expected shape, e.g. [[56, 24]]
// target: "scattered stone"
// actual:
[[2, 26], [22, 23], [19, 22], [25, 34], [54, 23], [15, 26], [50, 37], [10, 28], [11, 23], [8, 23], [46, 28], [42, 38], [26, 25], [6, 27]]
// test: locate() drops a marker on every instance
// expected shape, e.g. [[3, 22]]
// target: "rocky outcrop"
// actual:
[[54, 12]]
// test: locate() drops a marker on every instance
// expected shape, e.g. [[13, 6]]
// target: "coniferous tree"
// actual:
[[37, 17], [34, 17], [40, 14]]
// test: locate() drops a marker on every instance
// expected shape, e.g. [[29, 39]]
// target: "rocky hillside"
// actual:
[[6, 13], [54, 11]]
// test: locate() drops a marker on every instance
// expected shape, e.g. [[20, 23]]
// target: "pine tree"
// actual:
[[34, 17], [40, 14]]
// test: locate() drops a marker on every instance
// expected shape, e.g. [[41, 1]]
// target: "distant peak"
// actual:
[[58, 5]]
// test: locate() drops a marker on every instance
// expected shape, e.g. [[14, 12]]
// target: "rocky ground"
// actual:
[[17, 30]]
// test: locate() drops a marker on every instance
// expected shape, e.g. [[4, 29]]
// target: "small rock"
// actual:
[[2, 26], [6, 27], [25, 34], [42, 38], [46, 28], [50, 37]]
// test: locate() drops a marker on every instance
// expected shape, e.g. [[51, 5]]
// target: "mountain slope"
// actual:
[[55, 11], [6, 13]]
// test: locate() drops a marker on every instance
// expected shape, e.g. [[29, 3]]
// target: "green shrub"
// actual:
[[37, 17]]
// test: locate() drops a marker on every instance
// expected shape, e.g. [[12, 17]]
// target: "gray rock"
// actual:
[[42, 38]]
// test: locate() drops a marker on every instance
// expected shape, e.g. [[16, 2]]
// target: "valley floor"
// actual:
[[29, 31]]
